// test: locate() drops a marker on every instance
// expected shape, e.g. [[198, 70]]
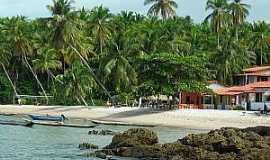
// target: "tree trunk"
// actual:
[[39, 83], [218, 40], [78, 100], [261, 56], [13, 86], [92, 73], [84, 101], [101, 47], [236, 33]]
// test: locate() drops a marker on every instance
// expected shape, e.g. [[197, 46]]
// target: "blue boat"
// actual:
[[48, 118]]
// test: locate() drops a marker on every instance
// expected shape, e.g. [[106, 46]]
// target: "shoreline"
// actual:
[[187, 118]]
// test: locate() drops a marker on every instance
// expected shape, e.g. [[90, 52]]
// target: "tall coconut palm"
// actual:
[[239, 12], [219, 16], [99, 25], [261, 39], [61, 7], [165, 8], [63, 28]]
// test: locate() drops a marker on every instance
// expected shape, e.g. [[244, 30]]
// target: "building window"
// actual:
[[268, 99], [258, 97], [221, 99], [262, 79], [207, 100]]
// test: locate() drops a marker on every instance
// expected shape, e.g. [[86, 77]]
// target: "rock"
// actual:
[[85, 146], [134, 137], [142, 151], [177, 158], [102, 132], [101, 155], [255, 154], [221, 144], [261, 130]]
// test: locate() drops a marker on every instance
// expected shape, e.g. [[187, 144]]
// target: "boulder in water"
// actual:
[[221, 144], [134, 137]]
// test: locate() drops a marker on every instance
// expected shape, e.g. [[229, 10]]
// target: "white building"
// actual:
[[251, 90]]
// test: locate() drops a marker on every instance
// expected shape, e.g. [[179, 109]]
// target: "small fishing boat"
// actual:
[[48, 118], [61, 124], [17, 123]]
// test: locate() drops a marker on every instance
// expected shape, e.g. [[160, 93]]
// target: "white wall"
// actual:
[[257, 106]]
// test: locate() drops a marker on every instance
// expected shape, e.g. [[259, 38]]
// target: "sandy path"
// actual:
[[201, 119]]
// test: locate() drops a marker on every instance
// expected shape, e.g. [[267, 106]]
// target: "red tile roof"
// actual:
[[236, 90], [257, 69], [263, 84], [261, 73]]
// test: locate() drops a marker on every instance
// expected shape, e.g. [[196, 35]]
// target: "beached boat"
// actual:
[[48, 118], [16, 123], [60, 124]]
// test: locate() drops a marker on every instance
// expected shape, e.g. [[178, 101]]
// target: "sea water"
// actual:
[[60, 143]]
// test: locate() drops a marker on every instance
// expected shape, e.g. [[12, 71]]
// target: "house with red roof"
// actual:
[[251, 91]]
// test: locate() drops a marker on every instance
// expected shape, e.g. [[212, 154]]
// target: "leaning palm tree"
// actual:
[[5, 58], [165, 8], [239, 12], [46, 62], [20, 44], [219, 16]]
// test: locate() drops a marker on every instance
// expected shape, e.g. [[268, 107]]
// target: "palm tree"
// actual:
[[166, 8], [77, 84], [99, 25], [5, 58], [219, 16], [20, 44], [261, 39], [46, 62], [63, 27], [233, 56], [61, 7], [118, 70], [239, 12]]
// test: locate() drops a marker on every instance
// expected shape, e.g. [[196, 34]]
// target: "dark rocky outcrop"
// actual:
[[134, 137], [222, 144]]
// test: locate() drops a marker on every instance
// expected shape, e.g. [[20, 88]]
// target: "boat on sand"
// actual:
[[16, 123], [48, 118]]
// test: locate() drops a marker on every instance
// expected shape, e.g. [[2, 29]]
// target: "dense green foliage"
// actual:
[[80, 56]]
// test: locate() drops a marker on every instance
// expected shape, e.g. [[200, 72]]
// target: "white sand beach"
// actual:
[[197, 119]]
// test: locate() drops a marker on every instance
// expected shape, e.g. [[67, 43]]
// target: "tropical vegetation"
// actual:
[[82, 57]]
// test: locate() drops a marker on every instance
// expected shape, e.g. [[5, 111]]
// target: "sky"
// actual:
[[194, 8]]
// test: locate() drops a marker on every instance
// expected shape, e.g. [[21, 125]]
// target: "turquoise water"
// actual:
[[59, 143]]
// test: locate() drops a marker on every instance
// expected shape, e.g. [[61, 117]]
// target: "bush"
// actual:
[[239, 108]]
